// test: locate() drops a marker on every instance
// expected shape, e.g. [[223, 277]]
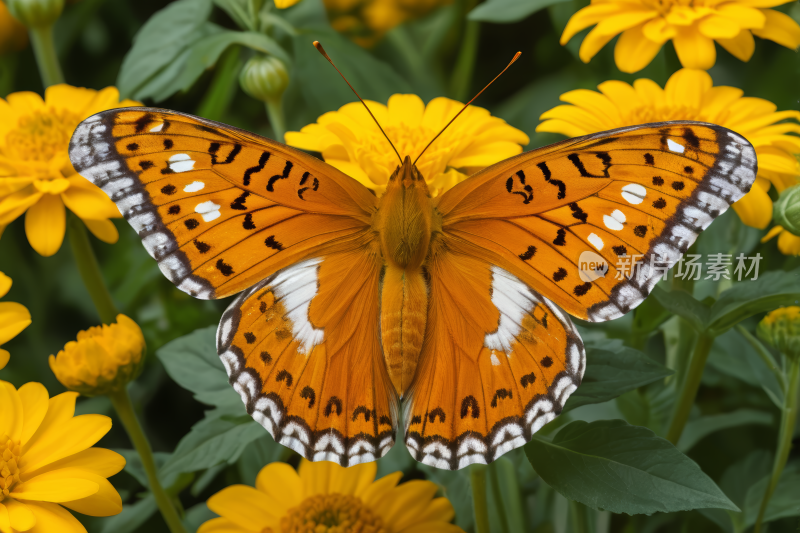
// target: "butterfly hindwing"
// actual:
[[218, 208], [303, 350], [636, 197], [498, 362]]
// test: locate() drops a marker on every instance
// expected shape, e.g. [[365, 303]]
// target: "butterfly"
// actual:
[[457, 304]]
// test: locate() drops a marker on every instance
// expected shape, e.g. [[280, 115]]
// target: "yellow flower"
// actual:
[[692, 25], [35, 172], [365, 22], [13, 35], [327, 498], [47, 461], [788, 243], [350, 141], [781, 330], [13, 319], [103, 359], [689, 95]]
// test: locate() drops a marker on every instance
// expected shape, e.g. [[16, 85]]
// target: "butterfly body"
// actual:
[[458, 304]]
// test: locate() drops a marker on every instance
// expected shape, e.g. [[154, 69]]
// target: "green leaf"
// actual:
[[614, 466], [610, 373], [193, 363], [684, 305], [509, 10], [213, 441], [134, 466], [455, 486], [748, 298], [132, 516], [238, 11], [699, 428], [784, 501], [159, 47], [257, 454]]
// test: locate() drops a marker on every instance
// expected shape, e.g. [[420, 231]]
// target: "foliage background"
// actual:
[[734, 427]]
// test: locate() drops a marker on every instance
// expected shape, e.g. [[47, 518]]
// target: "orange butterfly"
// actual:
[[456, 303]]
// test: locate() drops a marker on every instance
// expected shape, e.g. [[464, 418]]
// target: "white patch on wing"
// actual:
[[297, 286], [156, 129], [194, 186], [612, 223], [675, 147], [596, 241], [633, 193], [209, 210], [514, 300], [619, 216], [181, 163], [495, 360]]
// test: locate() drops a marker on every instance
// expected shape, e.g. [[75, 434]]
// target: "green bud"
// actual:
[[264, 78], [36, 13], [781, 330], [786, 210]]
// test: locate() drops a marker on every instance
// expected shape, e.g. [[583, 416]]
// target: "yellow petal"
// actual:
[[755, 208], [35, 402], [352, 480], [19, 515], [741, 47], [376, 493], [650, 92], [408, 501], [54, 186], [431, 527], [11, 413], [281, 484], [687, 88], [5, 284], [406, 109], [105, 230], [659, 30], [634, 50], [76, 435], [718, 27], [694, 49], [88, 201], [5, 521], [105, 502], [221, 525], [315, 476], [56, 490], [45, 224], [589, 16], [788, 243], [283, 4], [563, 127], [51, 518], [244, 506], [9, 185], [4, 358], [593, 43], [14, 318], [25, 102], [780, 28], [439, 509], [98, 461], [743, 16], [595, 102], [63, 96], [15, 204], [575, 115], [621, 94], [771, 233]]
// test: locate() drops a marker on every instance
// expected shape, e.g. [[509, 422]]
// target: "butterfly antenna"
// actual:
[[321, 50], [516, 56]]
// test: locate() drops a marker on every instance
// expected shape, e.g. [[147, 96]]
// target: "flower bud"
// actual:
[[264, 78], [102, 360], [786, 210], [781, 330], [36, 13]]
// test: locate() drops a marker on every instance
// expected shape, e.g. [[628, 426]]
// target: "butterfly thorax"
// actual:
[[404, 222]]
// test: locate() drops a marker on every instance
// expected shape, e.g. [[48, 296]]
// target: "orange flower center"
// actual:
[[9, 469], [331, 513], [40, 135]]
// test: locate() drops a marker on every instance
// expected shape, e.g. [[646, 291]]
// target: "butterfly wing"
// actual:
[[635, 198], [302, 348], [219, 208], [498, 361]]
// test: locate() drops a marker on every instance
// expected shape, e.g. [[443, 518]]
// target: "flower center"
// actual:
[[40, 135], [331, 513], [9, 471], [647, 113]]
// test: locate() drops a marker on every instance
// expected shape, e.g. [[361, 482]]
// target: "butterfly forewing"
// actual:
[[219, 208], [636, 197]]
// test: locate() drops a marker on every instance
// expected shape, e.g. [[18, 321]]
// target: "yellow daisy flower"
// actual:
[[350, 141], [693, 26], [324, 497], [47, 461], [14, 318], [36, 176], [690, 95], [788, 243]]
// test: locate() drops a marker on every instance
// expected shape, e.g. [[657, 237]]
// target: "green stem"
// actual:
[[691, 384], [580, 517], [516, 514], [8, 69], [477, 478], [223, 86], [461, 80], [122, 403], [762, 352], [276, 118], [498, 496], [788, 418], [90, 270], [46, 57]]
